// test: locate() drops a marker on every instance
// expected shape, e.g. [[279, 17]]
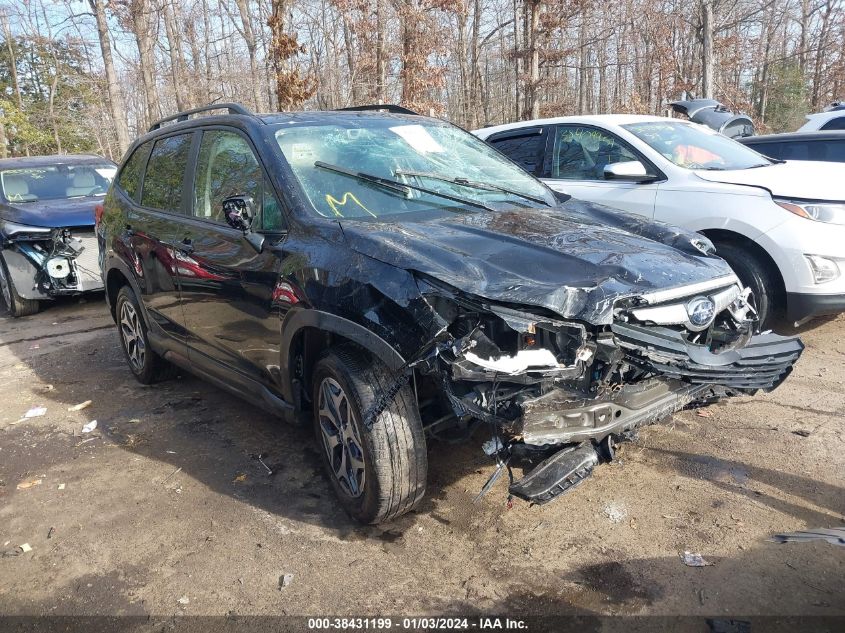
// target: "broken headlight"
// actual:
[[503, 339], [10, 229]]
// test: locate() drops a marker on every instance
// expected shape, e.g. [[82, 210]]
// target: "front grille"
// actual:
[[763, 363]]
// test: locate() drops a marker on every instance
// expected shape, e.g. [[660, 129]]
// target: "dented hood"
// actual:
[[808, 180], [69, 212], [575, 259]]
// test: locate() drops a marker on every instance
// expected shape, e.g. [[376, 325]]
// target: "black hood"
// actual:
[[575, 259], [52, 213]]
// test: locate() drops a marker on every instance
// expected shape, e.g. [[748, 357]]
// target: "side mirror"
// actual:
[[632, 171], [239, 212]]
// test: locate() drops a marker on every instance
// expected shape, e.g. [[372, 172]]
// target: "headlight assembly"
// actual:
[[10, 229], [820, 211]]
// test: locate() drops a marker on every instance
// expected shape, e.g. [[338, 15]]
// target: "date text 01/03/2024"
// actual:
[[413, 624]]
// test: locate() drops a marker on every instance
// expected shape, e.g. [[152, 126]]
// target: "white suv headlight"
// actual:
[[829, 212]]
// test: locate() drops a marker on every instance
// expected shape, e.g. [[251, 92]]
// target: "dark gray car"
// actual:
[[819, 146]]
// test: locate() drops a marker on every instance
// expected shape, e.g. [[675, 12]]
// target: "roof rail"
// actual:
[[374, 107], [232, 108]]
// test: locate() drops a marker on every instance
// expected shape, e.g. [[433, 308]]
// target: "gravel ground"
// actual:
[[164, 509]]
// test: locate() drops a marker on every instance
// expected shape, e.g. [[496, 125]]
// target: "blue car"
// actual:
[[47, 243]]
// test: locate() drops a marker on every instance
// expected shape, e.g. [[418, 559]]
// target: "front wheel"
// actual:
[[755, 275], [377, 473], [15, 304]]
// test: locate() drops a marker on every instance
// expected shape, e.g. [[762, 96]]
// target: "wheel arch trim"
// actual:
[[299, 319]]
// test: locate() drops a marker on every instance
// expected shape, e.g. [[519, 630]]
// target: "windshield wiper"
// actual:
[[399, 187], [466, 182]]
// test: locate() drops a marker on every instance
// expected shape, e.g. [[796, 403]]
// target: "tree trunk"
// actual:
[[141, 27], [118, 109], [532, 101], [707, 49], [174, 48], [381, 55], [249, 38], [13, 65]]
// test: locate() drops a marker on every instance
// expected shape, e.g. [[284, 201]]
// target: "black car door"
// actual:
[[227, 285], [155, 230]]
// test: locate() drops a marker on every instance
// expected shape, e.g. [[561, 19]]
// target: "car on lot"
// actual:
[[831, 119], [390, 278], [821, 146], [47, 243], [780, 225]]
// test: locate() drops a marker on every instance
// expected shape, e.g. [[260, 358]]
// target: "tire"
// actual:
[[391, 459], [15, 304], [753, 274], [146, 365]]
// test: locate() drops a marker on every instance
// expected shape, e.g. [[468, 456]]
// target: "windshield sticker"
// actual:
[[418, 138], [334, 203], [302, 153]]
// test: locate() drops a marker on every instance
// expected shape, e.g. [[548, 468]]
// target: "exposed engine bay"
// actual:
[[562, 392], [46, 263]]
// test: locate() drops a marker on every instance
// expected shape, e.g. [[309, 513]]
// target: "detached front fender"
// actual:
[[23, 274]]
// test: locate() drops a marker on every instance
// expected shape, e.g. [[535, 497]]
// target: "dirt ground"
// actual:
[[164, 509]]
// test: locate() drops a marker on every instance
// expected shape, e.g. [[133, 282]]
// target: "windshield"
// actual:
[[56, 182], [696, 147], [424, 154]]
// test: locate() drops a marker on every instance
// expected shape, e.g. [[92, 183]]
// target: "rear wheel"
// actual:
[[15, 304], [377, 473], [146, 365], [754, 274]]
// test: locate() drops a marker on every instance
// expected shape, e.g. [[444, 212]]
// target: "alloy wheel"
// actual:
[[132, 336], [340, 438]]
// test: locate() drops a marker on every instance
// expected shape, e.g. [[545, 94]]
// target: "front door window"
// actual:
[[227, 167], [582, 153]]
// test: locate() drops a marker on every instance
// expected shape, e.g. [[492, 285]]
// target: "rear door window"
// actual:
[[130, 176], [165, 175], [524, 147]]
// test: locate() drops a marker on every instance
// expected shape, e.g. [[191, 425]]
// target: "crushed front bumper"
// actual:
[[554, 418], [684, 373]]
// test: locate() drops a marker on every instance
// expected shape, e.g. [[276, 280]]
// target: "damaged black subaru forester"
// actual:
[[391, 278]]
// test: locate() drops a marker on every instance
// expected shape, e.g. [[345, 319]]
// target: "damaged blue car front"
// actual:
[[47, 243]]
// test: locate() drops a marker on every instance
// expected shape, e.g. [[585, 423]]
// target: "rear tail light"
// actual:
[[98, 214]]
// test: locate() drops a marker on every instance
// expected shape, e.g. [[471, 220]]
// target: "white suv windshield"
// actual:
[[424, 154], [695, 147]]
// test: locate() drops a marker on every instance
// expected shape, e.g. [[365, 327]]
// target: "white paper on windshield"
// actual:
[[418, 138]]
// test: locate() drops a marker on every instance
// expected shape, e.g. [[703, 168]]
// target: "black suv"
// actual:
[[392, 278]]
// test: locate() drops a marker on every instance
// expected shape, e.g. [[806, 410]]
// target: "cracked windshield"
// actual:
[[376, 166]]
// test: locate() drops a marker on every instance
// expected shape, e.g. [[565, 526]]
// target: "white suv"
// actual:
[[833, 119], [780, 225]]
